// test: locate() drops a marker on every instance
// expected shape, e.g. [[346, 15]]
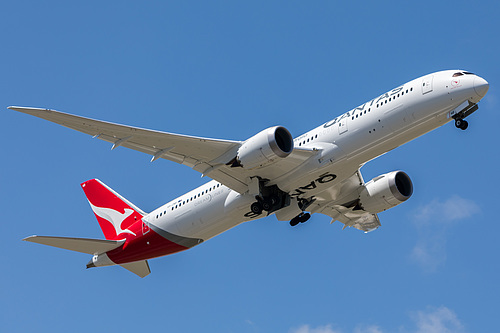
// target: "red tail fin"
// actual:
[[114, 213]]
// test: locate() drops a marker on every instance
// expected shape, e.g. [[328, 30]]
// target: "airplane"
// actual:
[[271, 173]]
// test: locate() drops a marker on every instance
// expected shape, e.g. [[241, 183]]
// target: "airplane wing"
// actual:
[[344, 207], [358, 219], [208, 156]]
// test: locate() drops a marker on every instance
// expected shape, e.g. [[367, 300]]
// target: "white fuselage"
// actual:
[[347, 142]]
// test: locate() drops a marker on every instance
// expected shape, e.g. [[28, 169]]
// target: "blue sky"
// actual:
[[229, 69]]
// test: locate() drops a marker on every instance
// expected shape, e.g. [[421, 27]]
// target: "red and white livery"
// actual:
[[269, 173]]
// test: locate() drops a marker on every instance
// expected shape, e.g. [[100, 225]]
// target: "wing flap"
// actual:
[[359, 219], [343, 205], [83, 245]]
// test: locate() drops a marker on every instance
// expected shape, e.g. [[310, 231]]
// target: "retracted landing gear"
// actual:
[[301, 218], [462, 124]]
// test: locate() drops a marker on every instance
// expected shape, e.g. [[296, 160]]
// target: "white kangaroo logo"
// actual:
[[114, 217]]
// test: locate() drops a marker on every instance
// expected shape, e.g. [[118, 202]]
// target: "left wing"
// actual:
[[345, 206], [358, 219], [208, 156]]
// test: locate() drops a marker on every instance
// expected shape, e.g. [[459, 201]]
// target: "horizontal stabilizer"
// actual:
[[83, 245], [140, 268]]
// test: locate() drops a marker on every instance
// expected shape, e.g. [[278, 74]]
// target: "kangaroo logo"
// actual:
[[114, 217]]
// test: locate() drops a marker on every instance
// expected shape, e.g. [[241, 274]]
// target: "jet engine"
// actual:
[[386, 191], [264, 148]]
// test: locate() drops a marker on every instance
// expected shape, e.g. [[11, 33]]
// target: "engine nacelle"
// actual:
[[265, 148], [386, 191]]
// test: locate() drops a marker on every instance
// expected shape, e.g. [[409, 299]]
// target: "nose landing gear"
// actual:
[[462, 124]]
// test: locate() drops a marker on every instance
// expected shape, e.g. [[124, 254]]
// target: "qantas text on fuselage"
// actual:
[[268, 174]]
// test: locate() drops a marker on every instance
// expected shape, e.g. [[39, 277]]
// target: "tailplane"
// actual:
[[83, 245], [96, 247], [114, 213], [139, 268]]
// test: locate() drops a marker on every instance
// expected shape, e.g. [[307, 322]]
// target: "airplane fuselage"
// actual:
[[344, 144]]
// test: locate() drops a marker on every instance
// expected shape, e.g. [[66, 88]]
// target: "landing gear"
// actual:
[[268, 198], [301, 218], [462, 124], [269, 203], [256, 208]]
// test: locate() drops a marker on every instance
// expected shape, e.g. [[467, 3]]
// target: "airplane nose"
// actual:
[[481, 86]]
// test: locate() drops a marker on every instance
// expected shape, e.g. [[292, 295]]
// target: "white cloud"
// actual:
[[319, 329], [446, 212], [433, 221], [440, 320], [367, 329], [432, 320]]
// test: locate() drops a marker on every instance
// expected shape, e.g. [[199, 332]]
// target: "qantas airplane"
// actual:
[[269, 173]]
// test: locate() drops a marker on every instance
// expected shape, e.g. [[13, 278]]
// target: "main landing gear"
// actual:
[[301, 218], [462, 124]]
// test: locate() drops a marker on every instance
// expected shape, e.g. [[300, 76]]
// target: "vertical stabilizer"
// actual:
[[114, 213]]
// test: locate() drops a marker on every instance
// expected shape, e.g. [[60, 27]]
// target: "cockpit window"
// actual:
[[457, 74], [469, 73]]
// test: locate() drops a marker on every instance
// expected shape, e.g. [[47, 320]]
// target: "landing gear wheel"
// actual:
[[301, 218], [305, 217], [256, 208], [462, 124], [267, 205], [465, 124]]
